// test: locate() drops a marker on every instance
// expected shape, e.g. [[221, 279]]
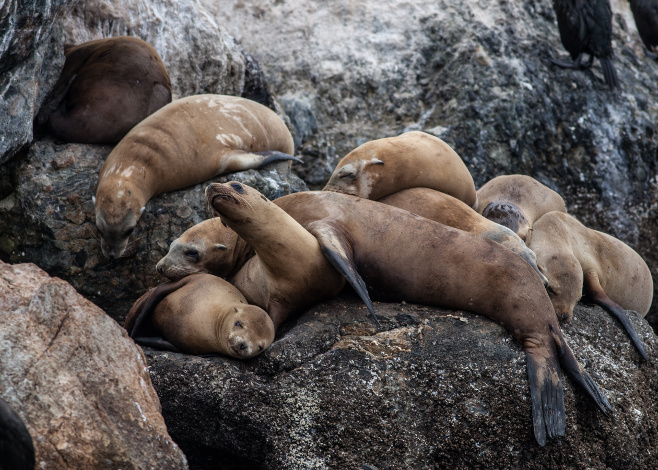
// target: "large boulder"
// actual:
[[479, 76], [49, 219], [77, 381], [433, 389]]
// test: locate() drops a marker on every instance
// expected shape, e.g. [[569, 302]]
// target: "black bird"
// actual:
[[586, 28], [645, 13], [16, 447]]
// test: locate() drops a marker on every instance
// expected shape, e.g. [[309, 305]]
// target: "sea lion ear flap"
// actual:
[[93, 200], [376, 161], [219, 246]]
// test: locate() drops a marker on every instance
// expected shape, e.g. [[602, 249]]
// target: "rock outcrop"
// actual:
[[433, 389], [75, 378]]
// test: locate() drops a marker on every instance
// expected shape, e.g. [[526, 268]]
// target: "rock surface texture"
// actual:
[[76, 379], [478, 75], [433, 389]]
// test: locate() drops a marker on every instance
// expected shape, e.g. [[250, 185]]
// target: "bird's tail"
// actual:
[[609, 73]]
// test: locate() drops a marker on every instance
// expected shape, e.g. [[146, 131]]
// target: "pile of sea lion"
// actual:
[[399, 220]]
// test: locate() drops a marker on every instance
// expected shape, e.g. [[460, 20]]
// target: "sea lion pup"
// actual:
[[106, 87], [184, 143], [289, 272], [207, 247], [413, 159], [200, 314], [586, 28], [401, 256], [645, 13], [516, 201], [578, 260]]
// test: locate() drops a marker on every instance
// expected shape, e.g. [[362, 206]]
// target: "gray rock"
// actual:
[[480, 78], [77, 381], [434, 389], [48, 219]]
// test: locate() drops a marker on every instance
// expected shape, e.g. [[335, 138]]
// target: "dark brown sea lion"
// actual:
[[516, 201], [413, 159], [108, 86], [200, 314], [184, 143], [578, 260], [396, 256]]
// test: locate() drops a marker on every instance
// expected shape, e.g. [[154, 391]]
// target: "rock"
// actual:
[[48, 219], [481, 79], [75, 378], [435, 388]]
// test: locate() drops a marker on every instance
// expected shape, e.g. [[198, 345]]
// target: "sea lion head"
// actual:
[[117, 213], [565, 283], [234, 201], [510, 216], [207, 247], [248, 332], [356, 173]]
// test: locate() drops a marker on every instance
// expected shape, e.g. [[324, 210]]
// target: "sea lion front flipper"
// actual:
[[272, 156], [547, 395], [594, 290], [338, 253]]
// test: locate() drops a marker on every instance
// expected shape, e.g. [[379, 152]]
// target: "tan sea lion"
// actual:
[[200, 314], [401, 256], [516, 201], [213, 248], [578, 260], [106, 87], [289, 272], [184, 143], [413, 159]]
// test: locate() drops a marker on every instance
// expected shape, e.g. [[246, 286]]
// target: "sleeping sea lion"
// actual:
[[516, 201], [401, 256], [200, 314], [578, 260], [106, 87], [413, 159], [184, 143]]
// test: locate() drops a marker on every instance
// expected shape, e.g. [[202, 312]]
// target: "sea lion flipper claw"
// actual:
[[272, 156], [547, 396]]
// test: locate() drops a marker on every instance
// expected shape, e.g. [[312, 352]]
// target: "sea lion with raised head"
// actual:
[[413, 159], [106, 87], [184, 143], [288, 272], [578, 260], [200, 314], [401, 256], [516, 201]]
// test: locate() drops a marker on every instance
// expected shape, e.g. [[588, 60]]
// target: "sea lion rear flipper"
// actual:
[[156, 342], [571, 366], [334, 248], [594, 290], [272, 156], [547, 395]]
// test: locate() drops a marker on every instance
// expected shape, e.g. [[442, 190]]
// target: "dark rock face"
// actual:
[[433, 389], [49, 219]]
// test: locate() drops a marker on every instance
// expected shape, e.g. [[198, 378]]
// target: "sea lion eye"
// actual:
[[192, 253], [128, 232], [350, 176], [237, 323], [237, 187]]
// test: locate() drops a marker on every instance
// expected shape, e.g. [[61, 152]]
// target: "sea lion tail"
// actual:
[[571, 366], [609, 73], [547, 395]]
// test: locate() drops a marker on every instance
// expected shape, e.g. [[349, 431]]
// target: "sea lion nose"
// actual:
[[159, 268]]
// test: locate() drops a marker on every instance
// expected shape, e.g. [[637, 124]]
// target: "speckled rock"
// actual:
[[78, 382], [434, 389], [48, 218], [478, 76]]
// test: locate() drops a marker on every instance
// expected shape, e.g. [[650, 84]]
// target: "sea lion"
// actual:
[[184, 143], [289, 272], [586, 28], [200, 314], [401, 256], [578, 260], [516, 201], [413, 159], [16, 446], [645, 13], [213, 248], [106, 87]]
